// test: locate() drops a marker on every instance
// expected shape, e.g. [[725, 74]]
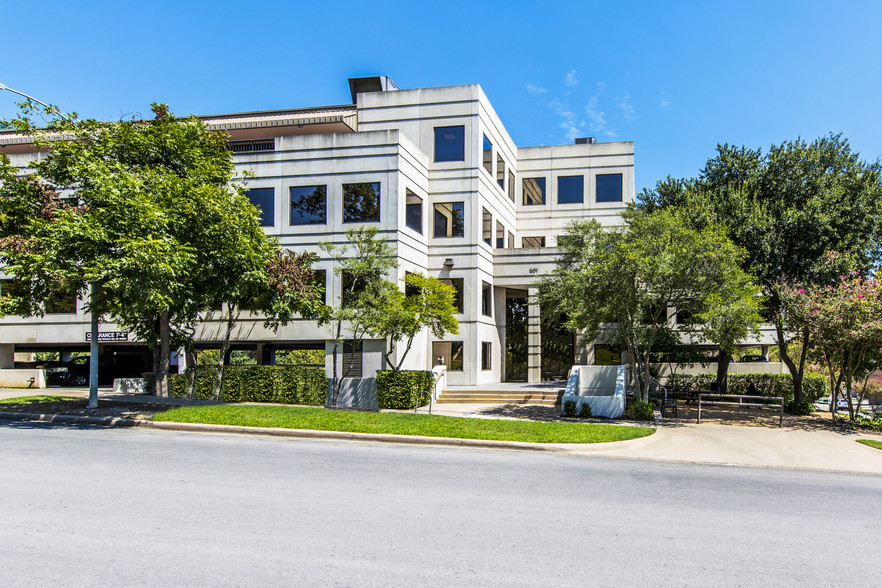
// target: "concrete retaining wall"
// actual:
[[22, 378]]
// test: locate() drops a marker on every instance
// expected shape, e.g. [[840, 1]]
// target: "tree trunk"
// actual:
[[723, 371], [225, 347], [190, 356], [796, 372], [164, 353]]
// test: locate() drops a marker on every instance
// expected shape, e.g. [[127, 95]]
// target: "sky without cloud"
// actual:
[[674, 77]]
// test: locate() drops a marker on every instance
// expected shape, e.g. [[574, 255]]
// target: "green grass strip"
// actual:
[[871, 442], [424, 425]]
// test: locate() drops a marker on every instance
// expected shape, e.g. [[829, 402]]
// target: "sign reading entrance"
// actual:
[[110, 336]]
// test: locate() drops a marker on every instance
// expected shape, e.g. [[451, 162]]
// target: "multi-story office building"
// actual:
[[435, 170]]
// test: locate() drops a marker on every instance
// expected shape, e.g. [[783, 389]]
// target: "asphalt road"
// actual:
[[118, 507]]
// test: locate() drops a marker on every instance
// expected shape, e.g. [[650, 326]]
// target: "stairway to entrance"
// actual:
[[543, 394]]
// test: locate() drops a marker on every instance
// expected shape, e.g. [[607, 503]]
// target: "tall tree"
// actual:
[[362, 263], [805, 213], [619, 285]]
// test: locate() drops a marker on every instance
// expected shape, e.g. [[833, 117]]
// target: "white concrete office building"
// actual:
[[435, 170]]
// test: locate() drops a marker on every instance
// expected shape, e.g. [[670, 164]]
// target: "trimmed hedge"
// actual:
[[813, 385], [400, 389], [282, 384]]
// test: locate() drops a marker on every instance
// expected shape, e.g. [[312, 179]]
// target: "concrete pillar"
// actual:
[[534, 338], [7, 353], [765, 351]]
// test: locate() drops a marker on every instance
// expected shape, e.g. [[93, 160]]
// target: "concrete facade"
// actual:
[[388, 137]]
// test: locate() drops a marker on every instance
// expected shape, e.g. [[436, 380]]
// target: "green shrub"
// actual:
[[281, 384], [639, 411], [585, 410], [813, 385], [400, 389], [803, 408], [569, 408]]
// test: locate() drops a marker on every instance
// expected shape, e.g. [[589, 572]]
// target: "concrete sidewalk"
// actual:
[[706, 443]]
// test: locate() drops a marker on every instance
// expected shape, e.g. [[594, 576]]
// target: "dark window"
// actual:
[[486, 348], [352, 357], [487, 227], [500, 171], [570, 189], [449, 221], [264, 199], [350, 288], [500, 235], [457, 285], [534, 191], [408, 289], [308, 355], [319, 280], [450, 143], [683, 316], [487, 299], [609, 187], [361, 203], [607, 355], [532, 242], [413, 212], [61, 301], [488, 155], [449, 353], [511, 186], [309, 205]]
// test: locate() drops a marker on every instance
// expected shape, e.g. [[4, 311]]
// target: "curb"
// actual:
[[277, 432]]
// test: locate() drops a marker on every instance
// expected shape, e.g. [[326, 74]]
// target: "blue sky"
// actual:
[[674, 77]]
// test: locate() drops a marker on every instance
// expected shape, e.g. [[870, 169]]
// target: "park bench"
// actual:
[[741, 401]]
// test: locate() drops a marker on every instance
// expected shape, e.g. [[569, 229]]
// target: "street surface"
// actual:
[[117, 507]]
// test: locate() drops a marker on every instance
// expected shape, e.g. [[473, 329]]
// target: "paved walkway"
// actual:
[[795, 447]]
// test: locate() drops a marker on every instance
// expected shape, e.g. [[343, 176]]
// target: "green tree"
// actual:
[[620, 284], [429, 306], [805, 213], [362, 263]]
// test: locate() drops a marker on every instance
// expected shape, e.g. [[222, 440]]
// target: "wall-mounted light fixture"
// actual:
[[448, 263]]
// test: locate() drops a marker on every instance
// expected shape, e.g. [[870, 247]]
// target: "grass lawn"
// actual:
[[41, 404], [320, 419], [871, 442]]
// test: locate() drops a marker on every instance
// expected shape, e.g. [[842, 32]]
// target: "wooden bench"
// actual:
[[716, 399]]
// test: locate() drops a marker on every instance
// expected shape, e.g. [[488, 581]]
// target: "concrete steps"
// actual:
[[542, 397]]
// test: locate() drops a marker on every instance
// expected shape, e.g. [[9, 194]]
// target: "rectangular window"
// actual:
[[309, 205], [570, 189], [319, 280], [448, 353], [264, 199], [511, 186], [413, 212], [486, 348], [511, 241], [352, 360], [532, 242], [488, 155], [450, 143], [607, 355], [534, 191], [304, 355], [487, 227], [500, 172], [62, 301], [486, 299], [361, 203], [351, 288], [457, 285], [500, 235], [408, 289], [449, 219], [609, 188]]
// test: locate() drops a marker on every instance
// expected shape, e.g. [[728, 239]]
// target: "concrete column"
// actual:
[[534, 338], [765, 351], [7, 359]]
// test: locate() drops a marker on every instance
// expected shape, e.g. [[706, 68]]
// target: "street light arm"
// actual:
[[8, 89]]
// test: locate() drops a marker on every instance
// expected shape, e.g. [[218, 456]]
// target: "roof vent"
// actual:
[[585, 140], [370, 84]]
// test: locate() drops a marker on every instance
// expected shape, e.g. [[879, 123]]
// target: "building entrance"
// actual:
[[515, 336]]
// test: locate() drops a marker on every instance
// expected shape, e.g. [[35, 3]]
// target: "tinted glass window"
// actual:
[[449, 219], [534, 191], [570, 189], [414, 212], [511, 186], [488, 155], [309, 205], [486, 363], [457, 285], [487, 299], [500, 172], [487, 227], [532, 242], [361, 203], [450, 143], [449, 353], [264, 200], [609, 187]]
